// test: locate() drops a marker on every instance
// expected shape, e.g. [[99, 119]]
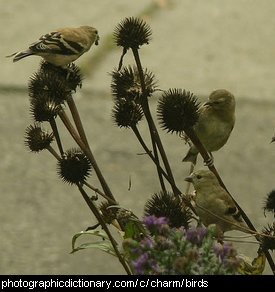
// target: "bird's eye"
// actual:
[[199, 176], [96, 32]]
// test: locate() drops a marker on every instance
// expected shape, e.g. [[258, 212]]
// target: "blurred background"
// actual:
[[197, 45]]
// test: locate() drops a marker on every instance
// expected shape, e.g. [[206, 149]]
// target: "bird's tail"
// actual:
[[191, 156], [20, 55]]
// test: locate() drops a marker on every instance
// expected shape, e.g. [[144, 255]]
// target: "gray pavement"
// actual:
[[197, 45]]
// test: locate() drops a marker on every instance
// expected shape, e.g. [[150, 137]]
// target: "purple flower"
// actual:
[[224, 251], [140, 264], [196, 235], [147, 242], [156, 225], [152, 220]]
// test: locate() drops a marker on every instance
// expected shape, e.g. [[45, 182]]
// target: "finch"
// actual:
[[215, 123], [62, 46], [210, 196]]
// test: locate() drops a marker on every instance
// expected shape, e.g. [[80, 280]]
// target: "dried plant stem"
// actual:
[[155, 151], [149, 153], [53, 152], [111, 201], [98, 191], [95, 211], [87, 152], [77, 120], [195, 140], [56, 135], [152, 127]]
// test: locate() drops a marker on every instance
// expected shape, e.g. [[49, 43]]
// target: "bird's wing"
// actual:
[[55, 43], [227, 205]]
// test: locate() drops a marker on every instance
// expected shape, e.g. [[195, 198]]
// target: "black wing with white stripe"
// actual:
[[54, 43]]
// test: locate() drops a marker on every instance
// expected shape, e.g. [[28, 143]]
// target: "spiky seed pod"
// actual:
[[36, 139], [268, 242], [132, 32], [167, 205], [126, 83], [269, 204], [177, 110], [71, 75], [108, 213], [44, 108], [48, 84], [74, 167], [126, 113]]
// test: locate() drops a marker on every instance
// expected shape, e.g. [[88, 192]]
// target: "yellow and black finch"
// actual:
[[62, 46]]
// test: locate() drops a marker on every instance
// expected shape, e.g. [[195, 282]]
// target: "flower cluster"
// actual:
[[177, 251]]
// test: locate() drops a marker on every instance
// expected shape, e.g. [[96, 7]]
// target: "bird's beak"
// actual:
[[273, 139], [189, 178], [97, 40]]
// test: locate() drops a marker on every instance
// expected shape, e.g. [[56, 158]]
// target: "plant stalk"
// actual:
[[105, 228]]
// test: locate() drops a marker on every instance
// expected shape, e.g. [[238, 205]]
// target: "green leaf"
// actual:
[[101, 245], [104, 244]]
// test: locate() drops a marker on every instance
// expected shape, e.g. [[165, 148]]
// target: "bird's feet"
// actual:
[[209, 162]]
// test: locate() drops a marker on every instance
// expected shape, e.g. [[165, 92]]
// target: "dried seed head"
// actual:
[[74, 167], [126, 113], [168, 206], [269, 204], [126, 83], [177, 110], [36, 139], [132, 32]]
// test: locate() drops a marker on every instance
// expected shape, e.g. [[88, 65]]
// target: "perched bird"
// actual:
[[211, 199], [62, 46], [215, 123]]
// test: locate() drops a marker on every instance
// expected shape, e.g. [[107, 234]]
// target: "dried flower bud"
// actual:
[[269, 204], [74, 167], [108, 213], [132, 33], [48, 84], [126, 84], [127, 113], [177, 110], [71, 75], [36, 139], [167, 205], [44, 108], [268, 242]]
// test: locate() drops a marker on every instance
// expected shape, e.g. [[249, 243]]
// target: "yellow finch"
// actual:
[[213, 204], [62, 46], [215, 123]]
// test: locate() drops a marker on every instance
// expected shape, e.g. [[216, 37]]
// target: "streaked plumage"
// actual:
[[61, 47], [215, 123], [211, 196]]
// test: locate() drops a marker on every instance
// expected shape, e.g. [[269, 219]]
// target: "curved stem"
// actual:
[[105, 228], [172, 183], [77, 120], [87, 152], [150, 121], [56, 135], [53, 152], [111, 201]]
